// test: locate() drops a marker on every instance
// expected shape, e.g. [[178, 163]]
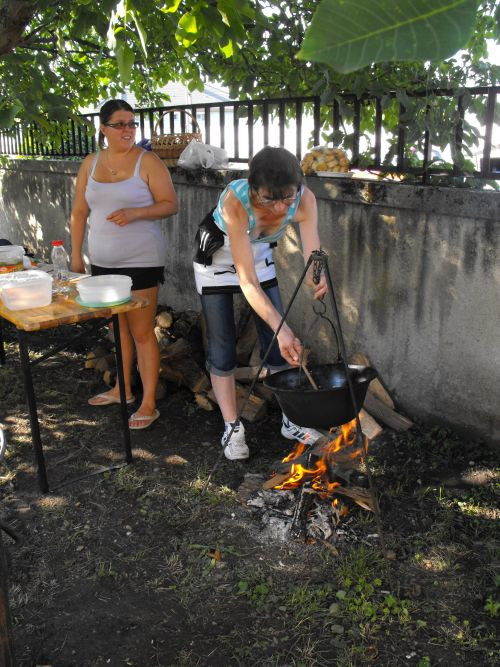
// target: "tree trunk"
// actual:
[[14, 17]]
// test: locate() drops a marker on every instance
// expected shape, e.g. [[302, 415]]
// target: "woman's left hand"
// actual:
[[122, 217], [320, 289]]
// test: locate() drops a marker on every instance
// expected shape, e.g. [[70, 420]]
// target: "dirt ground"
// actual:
[[135, 567]]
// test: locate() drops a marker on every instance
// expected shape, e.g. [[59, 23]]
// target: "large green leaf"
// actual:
[[349, 34], [8, 115], [125, 57]]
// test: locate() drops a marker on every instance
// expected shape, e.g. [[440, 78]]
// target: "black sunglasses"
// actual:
[[132, 124]]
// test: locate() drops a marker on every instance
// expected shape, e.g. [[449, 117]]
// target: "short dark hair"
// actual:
[[107, 110], [275, 168]]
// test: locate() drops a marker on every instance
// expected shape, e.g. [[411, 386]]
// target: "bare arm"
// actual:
[[157, 176], [79, 215], [307, 217], [236, 226]]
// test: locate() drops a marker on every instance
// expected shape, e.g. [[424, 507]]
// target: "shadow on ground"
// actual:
[[135, 567]]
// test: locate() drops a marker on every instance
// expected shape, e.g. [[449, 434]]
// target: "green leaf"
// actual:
[[227, 49], [350, 34], [8, 116], [82, 23], [187, 29], [172, 6], [125, 59], [142, 33]]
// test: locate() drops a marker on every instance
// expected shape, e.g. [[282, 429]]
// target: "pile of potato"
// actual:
[[321, 158]]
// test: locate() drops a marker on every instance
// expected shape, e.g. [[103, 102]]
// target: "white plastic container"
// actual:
[[11, 254], [20, 290], [104, 290]]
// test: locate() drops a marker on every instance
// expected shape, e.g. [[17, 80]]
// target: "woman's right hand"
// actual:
[[290, 346], [77, 265]]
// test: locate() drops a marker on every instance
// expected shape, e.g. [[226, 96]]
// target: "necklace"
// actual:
[[114, 172]]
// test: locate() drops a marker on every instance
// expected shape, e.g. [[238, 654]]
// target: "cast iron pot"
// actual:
[[330, 404]]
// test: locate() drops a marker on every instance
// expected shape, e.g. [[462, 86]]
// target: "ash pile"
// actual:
[[311, 493]]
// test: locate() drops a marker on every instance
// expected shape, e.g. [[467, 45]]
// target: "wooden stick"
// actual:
[[309, 376]]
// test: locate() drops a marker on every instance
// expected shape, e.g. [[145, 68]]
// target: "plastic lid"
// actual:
[[57, 242]]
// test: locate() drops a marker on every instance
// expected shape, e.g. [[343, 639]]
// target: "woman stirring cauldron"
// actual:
[[124, 191], [253, 214]]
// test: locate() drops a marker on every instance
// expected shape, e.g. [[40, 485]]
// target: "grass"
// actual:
[[136, 566]]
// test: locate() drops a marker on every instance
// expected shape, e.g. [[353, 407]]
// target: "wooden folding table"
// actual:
[[64, 309]]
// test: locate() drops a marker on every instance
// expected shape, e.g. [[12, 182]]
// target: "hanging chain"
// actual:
[[318, 264]]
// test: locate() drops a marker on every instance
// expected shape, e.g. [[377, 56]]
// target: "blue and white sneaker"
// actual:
[[301, 433], [235, 447]]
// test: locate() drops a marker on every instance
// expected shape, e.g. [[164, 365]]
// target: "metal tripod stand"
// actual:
[[319, 261]]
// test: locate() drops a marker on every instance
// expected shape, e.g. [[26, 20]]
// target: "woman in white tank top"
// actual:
[[122, 193]]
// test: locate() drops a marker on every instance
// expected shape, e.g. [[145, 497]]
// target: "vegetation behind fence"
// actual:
[[439, 131]]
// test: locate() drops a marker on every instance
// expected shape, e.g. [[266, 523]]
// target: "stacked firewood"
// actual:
[[182, 354], [181, 337]]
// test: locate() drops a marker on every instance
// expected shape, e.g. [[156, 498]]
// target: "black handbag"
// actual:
[[209, 238]]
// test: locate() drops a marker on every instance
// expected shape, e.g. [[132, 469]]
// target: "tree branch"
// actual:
[[14, 17]]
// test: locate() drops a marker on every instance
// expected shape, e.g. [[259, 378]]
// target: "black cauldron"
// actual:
[[330, 404]]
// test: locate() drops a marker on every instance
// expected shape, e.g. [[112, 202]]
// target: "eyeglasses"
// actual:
[[269, 201], [132, 124]]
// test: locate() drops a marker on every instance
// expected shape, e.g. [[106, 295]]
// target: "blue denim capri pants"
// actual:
[[218, 309]]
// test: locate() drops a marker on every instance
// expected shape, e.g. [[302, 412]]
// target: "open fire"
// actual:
[[335, 452], [307, 494]]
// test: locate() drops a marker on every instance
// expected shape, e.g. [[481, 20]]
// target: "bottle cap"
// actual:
[[57, 242]]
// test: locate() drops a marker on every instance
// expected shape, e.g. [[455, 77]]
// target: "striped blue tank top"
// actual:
[[241, 189]]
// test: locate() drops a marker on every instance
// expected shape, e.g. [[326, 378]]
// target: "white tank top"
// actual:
[[140, 243]]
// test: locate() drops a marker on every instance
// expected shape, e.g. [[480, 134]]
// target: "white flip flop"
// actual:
[[150, 419], [108, 400]]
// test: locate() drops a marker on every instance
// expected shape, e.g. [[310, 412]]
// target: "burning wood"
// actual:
[[318, 477]]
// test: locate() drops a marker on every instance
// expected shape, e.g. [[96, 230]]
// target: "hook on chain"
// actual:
[[319, 308], [319, 258]]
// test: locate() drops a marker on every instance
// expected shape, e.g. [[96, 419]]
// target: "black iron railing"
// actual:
[[390, 132]]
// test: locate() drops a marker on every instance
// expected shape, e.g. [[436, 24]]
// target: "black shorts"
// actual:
[[143, 277]]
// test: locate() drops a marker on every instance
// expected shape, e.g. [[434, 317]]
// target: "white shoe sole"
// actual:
[[288, 436], [241, 457], [285, 434]]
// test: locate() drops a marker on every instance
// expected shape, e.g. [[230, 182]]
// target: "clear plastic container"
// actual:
[[11, 254], [20, 290], [102, 290]]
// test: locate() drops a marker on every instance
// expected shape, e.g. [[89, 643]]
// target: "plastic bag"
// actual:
[[197, 154]]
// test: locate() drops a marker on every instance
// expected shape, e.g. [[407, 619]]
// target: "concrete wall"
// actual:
[[415, 271]]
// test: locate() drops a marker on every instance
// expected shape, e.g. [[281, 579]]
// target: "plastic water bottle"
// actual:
[[60, 266]]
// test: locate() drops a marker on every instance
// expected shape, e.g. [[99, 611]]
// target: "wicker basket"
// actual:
[[169, 146]]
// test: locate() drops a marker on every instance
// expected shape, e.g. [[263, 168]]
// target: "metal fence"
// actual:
[[392, 132]]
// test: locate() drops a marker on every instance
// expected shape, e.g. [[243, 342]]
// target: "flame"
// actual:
[[343, 446]]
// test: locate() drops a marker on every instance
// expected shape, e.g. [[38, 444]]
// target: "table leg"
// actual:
[[30, 398], [121, 384], [2, 348]]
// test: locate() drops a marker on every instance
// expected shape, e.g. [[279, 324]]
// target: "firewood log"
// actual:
[[369, 426], [109, 376], [376, 386], [95, 354], [204, 402], [165, 319], [389, 417], [255, 407], [185, 371], [177, 349], [104, 363]]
